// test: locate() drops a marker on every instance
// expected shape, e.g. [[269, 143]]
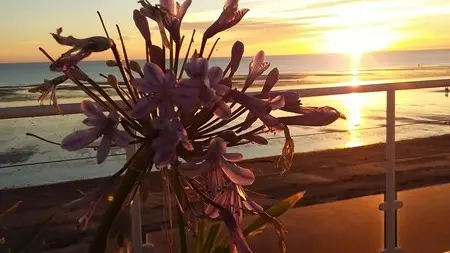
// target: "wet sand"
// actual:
[[326, 175]]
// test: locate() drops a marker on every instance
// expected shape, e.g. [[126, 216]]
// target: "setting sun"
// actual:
[[358, 29], [355, 41]]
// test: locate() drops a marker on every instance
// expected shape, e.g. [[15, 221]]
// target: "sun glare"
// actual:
[[359, 31], [355, 41]]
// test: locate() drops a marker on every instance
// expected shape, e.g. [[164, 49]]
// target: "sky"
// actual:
[[278, 27]]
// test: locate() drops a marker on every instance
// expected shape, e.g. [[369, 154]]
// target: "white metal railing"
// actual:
[[390, 204]]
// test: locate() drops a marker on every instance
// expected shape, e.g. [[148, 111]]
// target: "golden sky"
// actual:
[[277, 27]]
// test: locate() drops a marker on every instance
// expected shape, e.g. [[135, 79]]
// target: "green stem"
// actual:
[[180, 215]]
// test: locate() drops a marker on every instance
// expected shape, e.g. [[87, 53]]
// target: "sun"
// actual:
[[357, 29], [357, 40]]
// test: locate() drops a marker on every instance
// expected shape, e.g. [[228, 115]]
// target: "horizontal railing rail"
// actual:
[[74, 108]]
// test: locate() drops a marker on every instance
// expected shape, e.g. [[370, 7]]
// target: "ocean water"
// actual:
[[374, 64], [27, 161]]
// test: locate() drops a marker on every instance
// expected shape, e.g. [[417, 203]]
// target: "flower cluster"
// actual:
[[183, 125]]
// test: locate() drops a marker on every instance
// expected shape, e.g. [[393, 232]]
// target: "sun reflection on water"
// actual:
[[354, 104]]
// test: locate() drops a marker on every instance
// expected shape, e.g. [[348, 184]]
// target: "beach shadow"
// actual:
[[19, 155]]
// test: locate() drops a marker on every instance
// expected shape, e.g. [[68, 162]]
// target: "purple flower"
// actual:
[[142, 25], [236, 56], [165, 145], [313, 116], [260, 108], [173, 16], [233, 198], [162, 93], [215, 76], [214, 163], [169, 15], [275, 103], [255, 68], [101, 125], [197, 67], [49, 87], [208, 83], [230, 16], [82, 47]]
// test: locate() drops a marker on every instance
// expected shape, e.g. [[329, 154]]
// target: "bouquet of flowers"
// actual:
[[183, 116]]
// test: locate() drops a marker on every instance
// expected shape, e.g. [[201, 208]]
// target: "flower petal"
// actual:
[[143, 107], [320, 116], [153, 73], [233, 157], [191, 169], [80, 139], [215, 75], [237, 174], [103, 149], [142, 85], [97, 122], [91, 110], [258, 60], [236, 56], [142, 24], [271, 80], [277, 102], [183, 8], [121, 138], [221, 199], [222, 111]]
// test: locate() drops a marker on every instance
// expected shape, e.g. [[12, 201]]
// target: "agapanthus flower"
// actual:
[[162, 93], [217, 162], [233, 198], [260, 108], [207, 81], [169, 15], [100, 126], [165, 145], [81, 48], [142, 24], [196, 67], [230, 16], [49, 87], [275, 103], [237, 51], [173, 16], [256, 68], [313, 116]]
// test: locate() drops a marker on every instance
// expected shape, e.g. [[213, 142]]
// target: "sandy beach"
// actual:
[[327, 176]]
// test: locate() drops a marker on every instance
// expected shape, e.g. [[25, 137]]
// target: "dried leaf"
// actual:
[[285, 160]]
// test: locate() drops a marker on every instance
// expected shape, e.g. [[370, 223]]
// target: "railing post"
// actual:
[[136, 221], [391, 204]]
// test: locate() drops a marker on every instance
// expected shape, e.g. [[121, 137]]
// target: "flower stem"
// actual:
[[103, 24], [213, 47], [177, 56], [138, 166], [187, 54], [180, 215], [202, 48], [122, 71]]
